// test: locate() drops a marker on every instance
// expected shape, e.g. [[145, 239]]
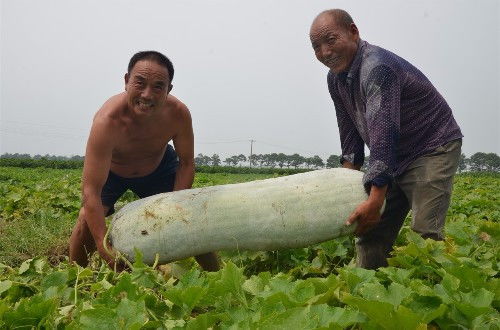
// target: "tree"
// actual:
[[262, 159], [296, 160], [308, 161], [462, 163], [317, 162], [241, 158], [201, 160], [272, 160], [476, 161], [281, 159], [252, 159], [481, 161], [333, 161], [215, 160], [492, 162], [234, 160]]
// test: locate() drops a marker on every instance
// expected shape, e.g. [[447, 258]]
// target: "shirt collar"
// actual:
[[356, 62], [349, 75]]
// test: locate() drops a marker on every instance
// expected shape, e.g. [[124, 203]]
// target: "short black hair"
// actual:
[[153, 56], [341, 17]]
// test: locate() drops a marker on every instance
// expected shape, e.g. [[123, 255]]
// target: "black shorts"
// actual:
[[160, 180]]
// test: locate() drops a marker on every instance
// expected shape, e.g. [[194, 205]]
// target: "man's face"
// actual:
[[335, 46], [147, 86]]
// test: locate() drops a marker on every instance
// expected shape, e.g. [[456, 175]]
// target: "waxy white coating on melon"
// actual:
[[286, 212]]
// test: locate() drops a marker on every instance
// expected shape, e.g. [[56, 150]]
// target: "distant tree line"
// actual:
[[268, 160], [480, 162], [46, 161], [44, 157], [265, 163]]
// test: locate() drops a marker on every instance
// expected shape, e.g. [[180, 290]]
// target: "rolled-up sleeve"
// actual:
[[351, 142], [383, 94]]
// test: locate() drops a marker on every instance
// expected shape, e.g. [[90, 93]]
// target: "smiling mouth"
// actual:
[[144, 104]]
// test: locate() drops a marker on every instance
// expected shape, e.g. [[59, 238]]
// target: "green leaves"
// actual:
[[127, 315], [450, 284], [5, 285]]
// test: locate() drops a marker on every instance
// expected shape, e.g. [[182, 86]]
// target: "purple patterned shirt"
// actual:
[[387, 103]]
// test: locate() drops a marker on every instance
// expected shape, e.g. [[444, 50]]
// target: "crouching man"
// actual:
[[128, 149]]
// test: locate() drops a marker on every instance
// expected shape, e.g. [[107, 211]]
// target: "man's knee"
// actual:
[[430, 205]]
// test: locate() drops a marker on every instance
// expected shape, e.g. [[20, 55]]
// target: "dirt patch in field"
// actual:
[[58, 253]]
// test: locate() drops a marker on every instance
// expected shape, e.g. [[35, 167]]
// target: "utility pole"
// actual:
[[251, 145]]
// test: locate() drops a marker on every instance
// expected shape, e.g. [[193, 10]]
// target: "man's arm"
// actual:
[[95, 171], [383, 119], [351, 142], [184, 147], [383, 111]]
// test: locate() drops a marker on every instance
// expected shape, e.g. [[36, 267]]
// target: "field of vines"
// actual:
[[453, 284]]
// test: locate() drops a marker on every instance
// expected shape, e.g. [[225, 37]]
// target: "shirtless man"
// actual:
[[128, 149]]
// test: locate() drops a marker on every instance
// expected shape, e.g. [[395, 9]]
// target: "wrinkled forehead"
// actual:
[[150, 69], [323, 24]]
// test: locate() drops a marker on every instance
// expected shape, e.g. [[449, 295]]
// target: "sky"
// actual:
[[245, 69]]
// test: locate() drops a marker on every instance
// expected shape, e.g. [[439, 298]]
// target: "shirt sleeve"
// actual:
[[383, 94], [353, 147]]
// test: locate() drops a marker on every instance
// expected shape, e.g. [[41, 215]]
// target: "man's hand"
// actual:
[[367, 214], [111, 257]]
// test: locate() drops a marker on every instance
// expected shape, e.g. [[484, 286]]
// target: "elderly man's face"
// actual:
[[335, 46], [147, 86]]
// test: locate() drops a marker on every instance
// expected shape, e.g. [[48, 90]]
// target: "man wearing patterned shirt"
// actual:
[[383, 101]]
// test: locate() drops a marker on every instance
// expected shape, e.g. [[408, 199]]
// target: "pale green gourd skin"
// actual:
[[286, 212]]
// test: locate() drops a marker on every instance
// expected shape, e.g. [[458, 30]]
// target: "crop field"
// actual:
[[453, 284]]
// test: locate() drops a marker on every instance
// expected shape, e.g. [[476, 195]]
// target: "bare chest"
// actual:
[[138, 153]]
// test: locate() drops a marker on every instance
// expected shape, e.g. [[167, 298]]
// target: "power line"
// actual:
[[44, 134], [222, 142], [58, 134], [42, 125], [289, 148]]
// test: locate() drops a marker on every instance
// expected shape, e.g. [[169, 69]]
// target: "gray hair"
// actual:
[[341, 17]]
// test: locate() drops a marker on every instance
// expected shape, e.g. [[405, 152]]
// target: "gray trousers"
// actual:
[[425, 188]]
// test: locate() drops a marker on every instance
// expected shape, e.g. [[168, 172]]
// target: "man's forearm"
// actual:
[[94, 217], [184, 176], [377, 195]]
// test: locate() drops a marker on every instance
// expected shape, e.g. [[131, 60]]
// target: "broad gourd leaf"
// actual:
[[5, 285], [427, 307], [393, 295], [99, 318], [131, 314], [56, 279]]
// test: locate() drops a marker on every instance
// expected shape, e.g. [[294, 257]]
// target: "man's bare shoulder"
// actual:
[[111, 112], [112, 109], [178, 108], [109, 120]]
